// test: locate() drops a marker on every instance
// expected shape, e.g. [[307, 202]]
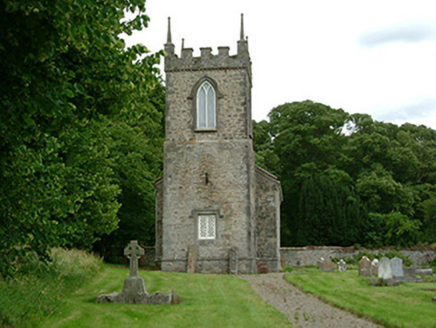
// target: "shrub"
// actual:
[[36, 290]]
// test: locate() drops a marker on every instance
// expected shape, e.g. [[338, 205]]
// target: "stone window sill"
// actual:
[[205, 130]]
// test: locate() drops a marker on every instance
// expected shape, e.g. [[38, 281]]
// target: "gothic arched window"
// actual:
[[206, 106]]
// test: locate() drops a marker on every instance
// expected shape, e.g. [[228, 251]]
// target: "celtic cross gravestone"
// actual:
[[133, 252], [134, 287]]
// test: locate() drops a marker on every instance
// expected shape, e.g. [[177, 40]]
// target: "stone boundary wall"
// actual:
[[301, 256]]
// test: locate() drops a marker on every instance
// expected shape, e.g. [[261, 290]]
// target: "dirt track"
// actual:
[[301, 309]]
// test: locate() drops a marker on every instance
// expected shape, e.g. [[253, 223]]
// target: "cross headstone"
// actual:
[[133, 252], [342, 266], [134, 288], [384, 270], [397, 268], [365, 267], [374, 267]]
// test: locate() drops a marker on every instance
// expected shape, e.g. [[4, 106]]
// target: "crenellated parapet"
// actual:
[[207, 59]]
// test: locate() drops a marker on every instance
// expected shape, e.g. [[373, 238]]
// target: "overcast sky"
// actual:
[[374, 57]]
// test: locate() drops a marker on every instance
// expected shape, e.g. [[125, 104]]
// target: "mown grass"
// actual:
[[407, 305], [206, 301], [38, 289]]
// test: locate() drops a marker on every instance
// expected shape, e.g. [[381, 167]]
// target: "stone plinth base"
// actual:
[[384, 282], [133, 290], [134, 293], [424, 272]]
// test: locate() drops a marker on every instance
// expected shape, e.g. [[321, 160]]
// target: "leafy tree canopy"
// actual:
[[348, 179], [67, 84]]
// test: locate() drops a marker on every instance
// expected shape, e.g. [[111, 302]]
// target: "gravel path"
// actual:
[[301, 309]]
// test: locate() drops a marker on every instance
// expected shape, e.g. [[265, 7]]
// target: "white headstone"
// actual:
[[374, 267], [384, 270], [319, 262], [397, 268], [342, 266]]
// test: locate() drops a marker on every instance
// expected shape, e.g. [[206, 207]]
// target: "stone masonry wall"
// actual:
[[158, 187], [232, 117], [208, 170], [268, 221], [186, 191], [302, 256]]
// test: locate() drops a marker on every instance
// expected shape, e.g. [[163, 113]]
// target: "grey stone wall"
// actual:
[[186, 190], [208, 170], [302, 256], [158, 188], [213, 171], [233, 121], [268, 198]]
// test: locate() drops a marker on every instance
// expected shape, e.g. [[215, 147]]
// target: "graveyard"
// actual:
[[251, 223], [206, 301], [406, 305], [224, 300], [227, 301]]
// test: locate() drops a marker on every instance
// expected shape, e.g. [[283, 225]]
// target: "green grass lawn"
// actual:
[[206, 301], [407, 305]]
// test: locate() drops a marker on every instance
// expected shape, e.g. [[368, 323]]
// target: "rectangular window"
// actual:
[[206, 226]]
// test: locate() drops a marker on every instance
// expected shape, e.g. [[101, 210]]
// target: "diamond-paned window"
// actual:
[[206, 226], [206, 113]]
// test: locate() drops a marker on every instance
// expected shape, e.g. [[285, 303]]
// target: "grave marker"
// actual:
[[342, 266], [374, 267], [365, 267], [233, 260], [397, 268], [134, 288], [384, 270], [327, 265], [192, 258], [133, 252]]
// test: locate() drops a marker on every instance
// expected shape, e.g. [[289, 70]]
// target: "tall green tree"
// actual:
[[308, 138], [348, 179], [264, 147], [65, 75]]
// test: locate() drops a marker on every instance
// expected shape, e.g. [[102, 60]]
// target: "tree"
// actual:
[[264, 147], [329, 212], [136, 144], [65, 74], [308, 138], [348, 179]]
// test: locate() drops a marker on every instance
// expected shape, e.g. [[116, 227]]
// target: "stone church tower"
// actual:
[[216, 212]]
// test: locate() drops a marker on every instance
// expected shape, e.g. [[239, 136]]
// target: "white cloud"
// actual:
[[313, 49], [417, 31]]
